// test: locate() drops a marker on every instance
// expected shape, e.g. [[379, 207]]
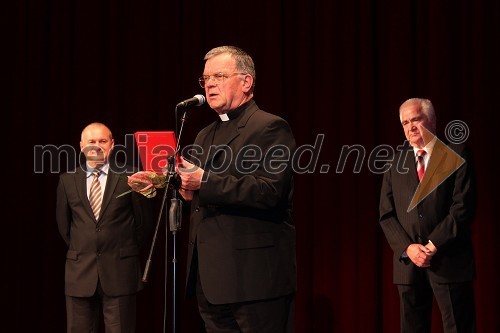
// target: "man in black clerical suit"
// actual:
[[238, 178]]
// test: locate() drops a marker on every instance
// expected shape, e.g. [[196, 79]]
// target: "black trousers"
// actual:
[[84, 313], [455, 301], [274, 315]]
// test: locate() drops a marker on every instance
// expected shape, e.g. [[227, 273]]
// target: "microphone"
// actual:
[[196, 100]]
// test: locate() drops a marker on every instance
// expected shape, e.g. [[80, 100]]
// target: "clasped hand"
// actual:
[[421, 255], [146, 182]]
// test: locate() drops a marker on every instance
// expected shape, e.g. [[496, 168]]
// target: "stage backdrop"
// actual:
[[336, 70]]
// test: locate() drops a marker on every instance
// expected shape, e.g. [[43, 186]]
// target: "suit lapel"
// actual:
[[81, 186], [111, 184], [411, 165], [250, 109], [205, 141], [212, 153]]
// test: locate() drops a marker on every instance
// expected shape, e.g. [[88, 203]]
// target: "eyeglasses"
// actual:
[[218, 78]]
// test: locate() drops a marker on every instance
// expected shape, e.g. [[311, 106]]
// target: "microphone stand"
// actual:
[[174, 220], [174, 215]]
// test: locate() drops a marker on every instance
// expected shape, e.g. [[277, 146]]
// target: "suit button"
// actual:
[[197, 209], [97, 229], [420, 216]]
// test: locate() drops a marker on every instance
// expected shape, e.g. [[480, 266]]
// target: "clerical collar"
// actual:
[[224, 117], [233, 114]]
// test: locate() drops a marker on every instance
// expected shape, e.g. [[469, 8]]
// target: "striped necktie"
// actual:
[[420, 164], [95, 196]]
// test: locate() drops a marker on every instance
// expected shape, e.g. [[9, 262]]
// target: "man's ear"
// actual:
[[247, 83]]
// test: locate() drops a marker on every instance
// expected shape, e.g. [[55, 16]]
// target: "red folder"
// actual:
[[154, 148]]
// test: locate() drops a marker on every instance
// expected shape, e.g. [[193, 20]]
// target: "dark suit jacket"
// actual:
[[106, 249], [241, 216], [444, 216]]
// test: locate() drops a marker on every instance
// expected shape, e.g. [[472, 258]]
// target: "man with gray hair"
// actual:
[[241, 260], [426, 211], [238, 177]]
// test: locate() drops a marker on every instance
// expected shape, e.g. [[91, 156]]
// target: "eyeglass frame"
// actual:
[[217, 77]]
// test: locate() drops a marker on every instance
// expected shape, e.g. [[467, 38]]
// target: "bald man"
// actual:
[[104, 235]]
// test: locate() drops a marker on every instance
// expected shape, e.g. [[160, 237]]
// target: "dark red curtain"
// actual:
[[336, 70]]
